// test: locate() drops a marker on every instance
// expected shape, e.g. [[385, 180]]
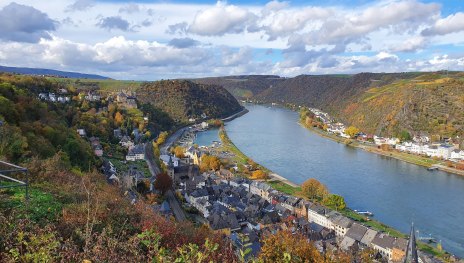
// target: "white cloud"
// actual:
[[230, 58], [281, 23], [221, 19], [395, 15], [412, 44], [450, 24]]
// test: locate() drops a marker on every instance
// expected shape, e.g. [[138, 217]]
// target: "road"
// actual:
[[175, 206], [150, 158], [171, 139], [154, 170]]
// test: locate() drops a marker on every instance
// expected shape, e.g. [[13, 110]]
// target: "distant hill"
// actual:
[[245, 86], [381, 103], [183, 99], [50, 72]]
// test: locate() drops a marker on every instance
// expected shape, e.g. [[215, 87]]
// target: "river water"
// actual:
[[395, 191]]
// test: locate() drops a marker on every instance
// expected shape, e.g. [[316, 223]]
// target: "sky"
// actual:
[[150, 40]]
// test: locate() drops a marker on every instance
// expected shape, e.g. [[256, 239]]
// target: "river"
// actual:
[[395, 191]]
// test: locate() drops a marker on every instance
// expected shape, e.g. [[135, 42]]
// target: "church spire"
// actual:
[[411, 250], [170, 162]]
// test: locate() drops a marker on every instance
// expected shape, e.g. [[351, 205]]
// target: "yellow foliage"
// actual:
[[258, 174], [286, 247]]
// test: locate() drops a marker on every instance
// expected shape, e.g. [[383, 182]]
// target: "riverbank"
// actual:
[[402, 156]]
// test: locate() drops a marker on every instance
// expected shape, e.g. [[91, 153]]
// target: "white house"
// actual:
[[431, 150], [457, 154], [204, 125], [136, 153], [81, 132], [317, 214], [444, 151]]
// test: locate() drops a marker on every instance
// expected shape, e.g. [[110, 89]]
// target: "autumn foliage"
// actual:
[[163, 182], [210, 162], [287, 247], [258, 174], [314, 190]]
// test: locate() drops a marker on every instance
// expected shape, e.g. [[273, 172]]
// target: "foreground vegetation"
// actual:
[[73, 213]]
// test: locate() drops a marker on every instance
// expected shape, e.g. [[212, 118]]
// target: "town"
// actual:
[[250, 209], [418, 144]]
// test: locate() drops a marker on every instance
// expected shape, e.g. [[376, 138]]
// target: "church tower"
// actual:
[[411, 250]]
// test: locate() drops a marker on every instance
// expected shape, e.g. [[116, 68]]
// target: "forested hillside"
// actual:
[[243, 87], [431, 103], [183, 99], [381, 103], [74, 214]]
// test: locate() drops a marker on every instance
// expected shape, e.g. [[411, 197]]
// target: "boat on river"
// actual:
[[364, 212]]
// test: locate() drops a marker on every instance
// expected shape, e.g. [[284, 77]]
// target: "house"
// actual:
[[92, 96], [94, 141], [182, 173], [457, 154], [194, 182], [117, 133], [98, 150], [126, 142], [353, 236], [291, 203], [380, 140], [136, 153], [383, 244], [131, 103], [81, 132], [260, 188], [121, 97], [432, 151], [301, 210], [445, 150], [317, 214], [368, 237], [168, 158], [340, 223]]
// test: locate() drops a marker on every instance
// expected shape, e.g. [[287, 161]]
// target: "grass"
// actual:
[[106, 85], [284, 188], [41, 205]]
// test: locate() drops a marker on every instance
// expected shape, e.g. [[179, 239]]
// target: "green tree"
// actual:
[[12, 144], [334, 201], [405, 136]]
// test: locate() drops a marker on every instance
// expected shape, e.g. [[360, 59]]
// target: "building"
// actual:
[[136, 153], [383, 244], [81, 132], [126, 142], [340, 223], [92, 96], [457, 154], [317, 214], [411, 250], [168, 158]]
